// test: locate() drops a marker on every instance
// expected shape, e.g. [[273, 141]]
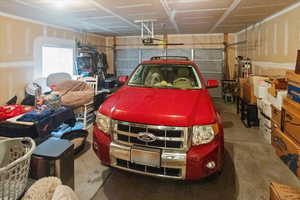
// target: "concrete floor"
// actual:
[[250, 165]]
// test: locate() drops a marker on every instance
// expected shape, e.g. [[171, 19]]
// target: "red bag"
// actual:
[[10, 111]]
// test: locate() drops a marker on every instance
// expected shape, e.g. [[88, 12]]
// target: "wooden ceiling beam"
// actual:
[[233, 6]]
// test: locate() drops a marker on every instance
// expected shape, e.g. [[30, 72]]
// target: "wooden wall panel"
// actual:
[[16, 58], [273, 43]]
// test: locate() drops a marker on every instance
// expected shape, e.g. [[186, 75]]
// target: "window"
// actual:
[[170, 76], [55, 59]]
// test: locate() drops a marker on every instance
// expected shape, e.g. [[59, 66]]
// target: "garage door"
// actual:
[[126, 60], [210, 61]]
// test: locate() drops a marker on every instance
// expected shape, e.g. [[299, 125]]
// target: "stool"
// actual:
[[54, 157]]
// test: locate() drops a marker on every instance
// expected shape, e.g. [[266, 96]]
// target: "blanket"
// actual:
[[74, 93]]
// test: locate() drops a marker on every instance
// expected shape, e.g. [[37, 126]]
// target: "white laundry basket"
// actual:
[[15, 157]]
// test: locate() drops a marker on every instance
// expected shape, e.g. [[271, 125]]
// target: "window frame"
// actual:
[[199, 82], [59, 47], [40, 42]]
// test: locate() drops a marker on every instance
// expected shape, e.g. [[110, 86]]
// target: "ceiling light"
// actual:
[[61, 3]]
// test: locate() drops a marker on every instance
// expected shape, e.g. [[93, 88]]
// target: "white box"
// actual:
[[266, 108], [268, 135], [259, 115], [267, 122], [259, 104], [261, 89], [277, 101], [265, 132]]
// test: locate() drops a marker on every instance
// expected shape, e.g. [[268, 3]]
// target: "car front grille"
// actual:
[[160, 171], [167, 137]]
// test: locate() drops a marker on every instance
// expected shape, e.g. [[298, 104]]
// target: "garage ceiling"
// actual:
[[116, 17]]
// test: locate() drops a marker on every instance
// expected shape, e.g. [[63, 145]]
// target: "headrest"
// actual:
[[183, 72]]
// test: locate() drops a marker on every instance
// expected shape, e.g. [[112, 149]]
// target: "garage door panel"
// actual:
[[210, 66], [210, 62], [180, 52], [127, 54], [208, 54], [126, 61], [127, 67], [147, 54]]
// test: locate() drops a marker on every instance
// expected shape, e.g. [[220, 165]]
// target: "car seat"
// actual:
[[154, 76], [183, 79]]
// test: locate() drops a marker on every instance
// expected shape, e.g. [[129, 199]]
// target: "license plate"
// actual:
[[145, 156]]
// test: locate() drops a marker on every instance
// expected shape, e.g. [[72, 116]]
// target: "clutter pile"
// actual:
[[273, 104]]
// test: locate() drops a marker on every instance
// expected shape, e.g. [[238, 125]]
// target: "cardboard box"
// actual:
[[277, 84], [278, 100], [287, 150], [283, 192], [249, 93], [272, 91], [274, 125], [292, 76], [291, 119], [242, 81], [276, 115]]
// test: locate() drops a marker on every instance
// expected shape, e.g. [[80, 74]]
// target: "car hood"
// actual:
[[169, 107]]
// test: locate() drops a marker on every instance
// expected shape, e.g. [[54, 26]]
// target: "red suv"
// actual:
[[161, 122]]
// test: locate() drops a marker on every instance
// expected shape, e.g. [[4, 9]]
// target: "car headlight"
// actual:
[[103, 122], [203, 134]]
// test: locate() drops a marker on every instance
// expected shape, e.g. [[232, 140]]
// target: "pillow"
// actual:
[[42, 189], [63, 192]]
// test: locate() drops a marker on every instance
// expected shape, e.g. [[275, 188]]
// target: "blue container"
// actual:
[[294, 93]]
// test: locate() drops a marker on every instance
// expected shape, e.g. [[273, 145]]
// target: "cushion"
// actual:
[[42, 189], [63, 192]]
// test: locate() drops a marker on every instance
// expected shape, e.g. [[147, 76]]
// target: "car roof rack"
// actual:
[[170, 57]]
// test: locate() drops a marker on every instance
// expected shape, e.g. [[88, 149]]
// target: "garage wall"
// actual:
[[273, 43], [17, 38]]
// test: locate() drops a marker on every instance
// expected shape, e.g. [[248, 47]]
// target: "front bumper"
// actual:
[[175, 164]]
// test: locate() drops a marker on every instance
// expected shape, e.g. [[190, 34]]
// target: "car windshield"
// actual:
[[165, 76]]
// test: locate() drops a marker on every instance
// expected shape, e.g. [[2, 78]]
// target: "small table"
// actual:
[[54, 157]]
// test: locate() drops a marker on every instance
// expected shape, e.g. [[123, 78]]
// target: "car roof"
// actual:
[[169, 61]]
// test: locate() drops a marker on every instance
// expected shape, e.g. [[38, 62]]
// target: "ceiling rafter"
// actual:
[[201, 10], [225, 15], [171, 14], [97, 4]]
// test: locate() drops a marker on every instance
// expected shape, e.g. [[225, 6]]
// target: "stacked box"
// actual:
[[276, 116], [277, 100], [261, 88], [293, 86], [242, 81], [287, 149], [283, 192], [291, 119], [248, 93]]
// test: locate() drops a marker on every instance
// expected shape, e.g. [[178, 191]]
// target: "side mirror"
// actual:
[[212, 84], [122, 79]]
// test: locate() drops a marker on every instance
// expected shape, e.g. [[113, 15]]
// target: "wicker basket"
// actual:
[[15, 157]]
